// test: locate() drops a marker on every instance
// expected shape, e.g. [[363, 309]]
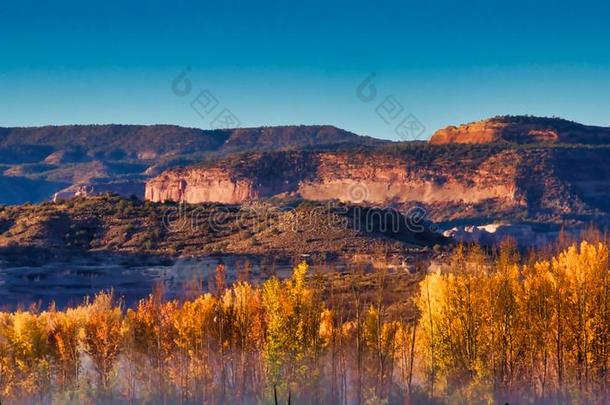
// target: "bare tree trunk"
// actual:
[[432, 371], [412, 358]]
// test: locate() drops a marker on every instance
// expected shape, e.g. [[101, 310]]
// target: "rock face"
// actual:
[[454, 181], [202, 186], [234, 180], [383, 179], [372, 178], [375, 178], [522, 129]]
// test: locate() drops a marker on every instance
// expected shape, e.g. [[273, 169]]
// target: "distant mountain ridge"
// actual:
[[115, 141]]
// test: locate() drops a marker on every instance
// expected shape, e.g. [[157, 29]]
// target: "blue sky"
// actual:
[[285, 62]]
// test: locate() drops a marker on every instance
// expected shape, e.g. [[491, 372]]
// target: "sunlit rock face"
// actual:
[[198, 186], [378, 179], [522, 129]]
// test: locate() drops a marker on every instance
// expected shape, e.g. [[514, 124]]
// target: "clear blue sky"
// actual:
[[285, 62]]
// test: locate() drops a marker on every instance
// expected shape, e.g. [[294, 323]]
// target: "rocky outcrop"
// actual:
[[196, 186], [522, 129], [495, 233], [124, 188]]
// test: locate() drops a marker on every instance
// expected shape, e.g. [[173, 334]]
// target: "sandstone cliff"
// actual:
[[374, 177], [522, 129]]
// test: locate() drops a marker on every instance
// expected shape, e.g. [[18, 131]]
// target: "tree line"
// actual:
[[491, 326]]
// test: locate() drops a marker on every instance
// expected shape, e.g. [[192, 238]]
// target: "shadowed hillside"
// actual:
[[38, 233]]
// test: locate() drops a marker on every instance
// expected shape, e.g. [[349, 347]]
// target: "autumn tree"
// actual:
[[103, 336]]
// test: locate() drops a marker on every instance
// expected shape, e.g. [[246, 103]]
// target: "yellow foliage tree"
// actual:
[[103, 336]]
